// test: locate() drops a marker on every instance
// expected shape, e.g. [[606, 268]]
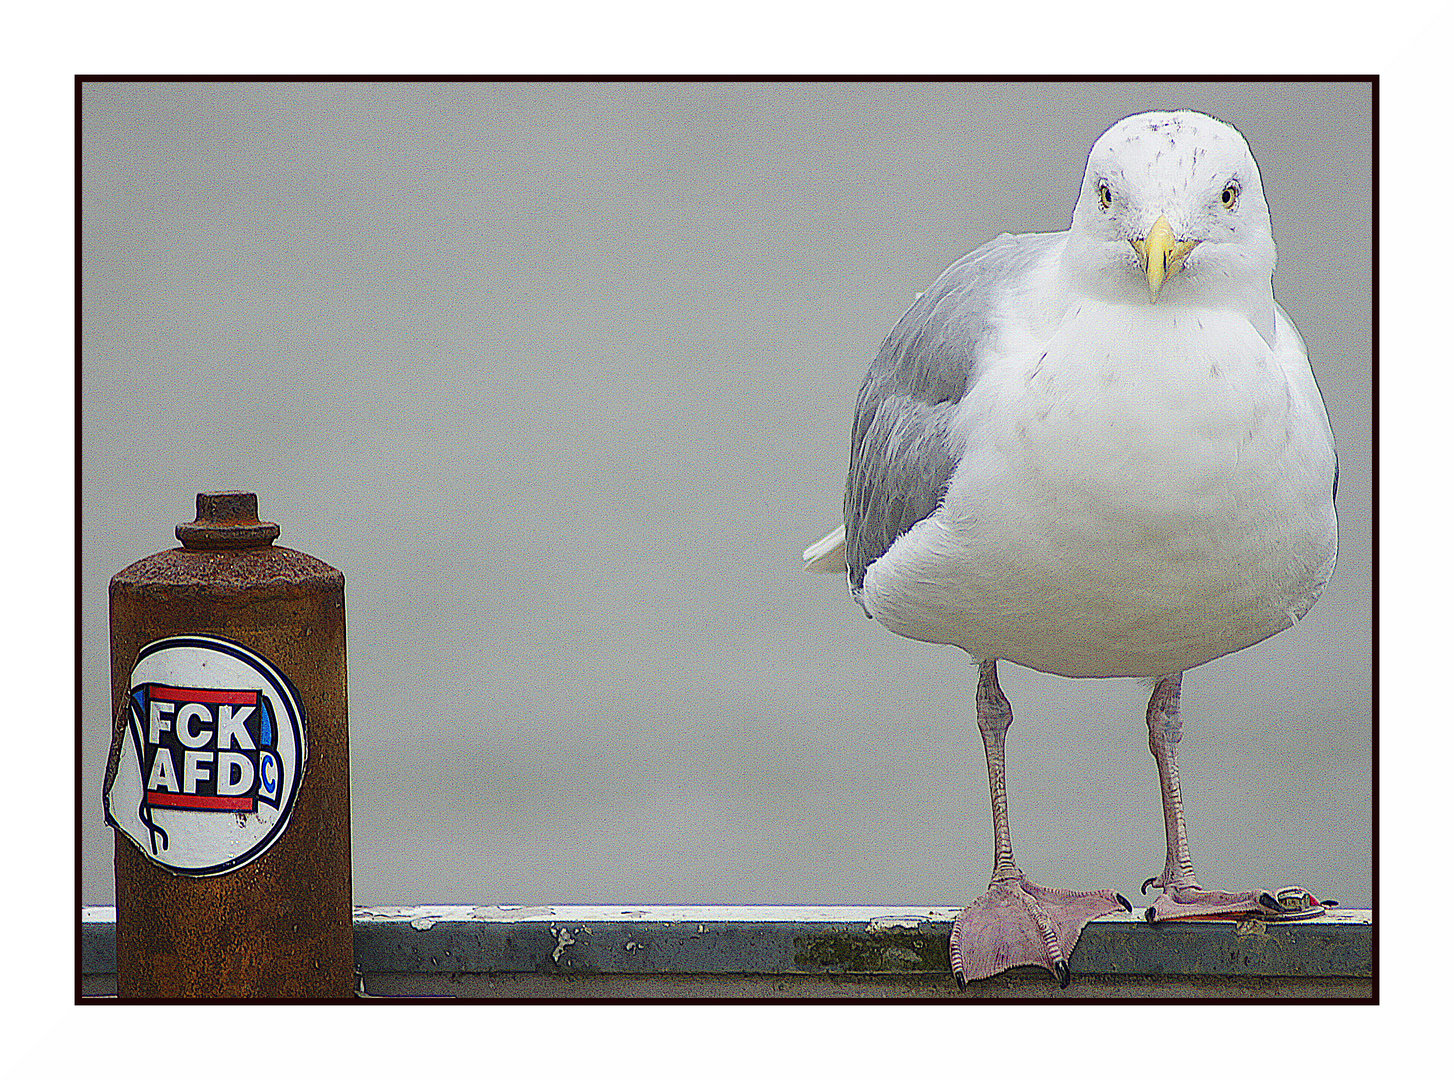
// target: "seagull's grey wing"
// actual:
[[904, 451]]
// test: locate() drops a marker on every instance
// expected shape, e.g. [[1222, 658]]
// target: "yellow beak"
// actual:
[[1162, 255]]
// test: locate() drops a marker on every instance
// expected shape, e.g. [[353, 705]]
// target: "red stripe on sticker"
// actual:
[[209, 697], [197, 802]]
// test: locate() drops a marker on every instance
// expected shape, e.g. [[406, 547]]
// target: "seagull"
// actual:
[[1097, 453]]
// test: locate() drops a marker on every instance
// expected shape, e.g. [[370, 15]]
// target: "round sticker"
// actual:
[[212, 756]]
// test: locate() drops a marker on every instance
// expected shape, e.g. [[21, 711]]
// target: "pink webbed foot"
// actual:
[[1194, 902], [1020, 923]]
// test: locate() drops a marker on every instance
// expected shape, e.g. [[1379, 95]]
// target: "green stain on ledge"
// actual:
[[891, 950]]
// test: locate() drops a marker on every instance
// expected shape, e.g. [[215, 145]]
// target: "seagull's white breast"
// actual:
[[1146, 490]]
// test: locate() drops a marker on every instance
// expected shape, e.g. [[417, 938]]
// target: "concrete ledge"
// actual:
[[579, 951]]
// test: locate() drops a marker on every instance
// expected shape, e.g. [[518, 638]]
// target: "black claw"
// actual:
[[1146, 885], [1062, 973], [1124, 902]]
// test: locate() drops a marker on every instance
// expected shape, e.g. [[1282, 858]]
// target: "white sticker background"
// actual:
[[208, 842]]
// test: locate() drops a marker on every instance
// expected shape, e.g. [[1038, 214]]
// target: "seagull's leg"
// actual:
[[1016, 922], [995, 717], [1163, 723], [1182, 896]]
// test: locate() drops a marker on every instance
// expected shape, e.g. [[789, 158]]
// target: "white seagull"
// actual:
[[1097, 453]]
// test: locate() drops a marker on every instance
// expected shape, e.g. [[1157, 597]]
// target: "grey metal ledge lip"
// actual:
[[580, 939]]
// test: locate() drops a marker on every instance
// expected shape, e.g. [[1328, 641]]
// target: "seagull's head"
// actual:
[[1171, 210]]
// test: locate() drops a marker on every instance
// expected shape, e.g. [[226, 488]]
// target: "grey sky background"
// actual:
[[561, 377]]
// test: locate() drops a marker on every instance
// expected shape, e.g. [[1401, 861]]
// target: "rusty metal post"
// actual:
[[227, 782]]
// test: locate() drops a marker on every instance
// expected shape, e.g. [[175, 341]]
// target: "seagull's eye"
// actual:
[[1105, 193], [1229, 195]]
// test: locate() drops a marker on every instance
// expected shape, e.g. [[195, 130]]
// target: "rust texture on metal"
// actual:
[[226, 519], [281, 925]]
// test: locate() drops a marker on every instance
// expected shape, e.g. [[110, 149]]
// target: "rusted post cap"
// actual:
[[226, 519]]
